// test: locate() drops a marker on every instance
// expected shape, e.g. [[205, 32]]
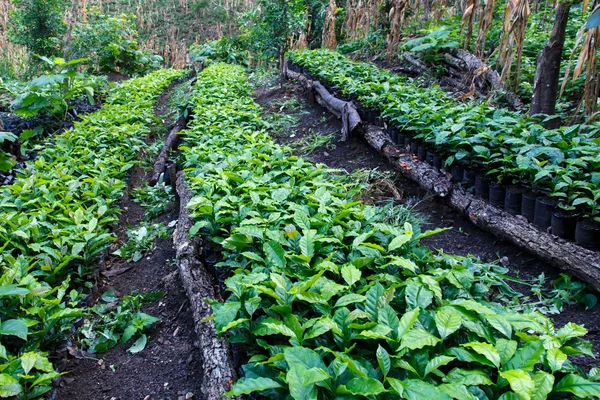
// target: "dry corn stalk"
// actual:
[[396, 16], [485, 22], [329, 40], [467, 21], [516, 16]]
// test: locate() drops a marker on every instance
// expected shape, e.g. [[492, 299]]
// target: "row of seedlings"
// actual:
[[551, 177], [56, 220], [331, 300]]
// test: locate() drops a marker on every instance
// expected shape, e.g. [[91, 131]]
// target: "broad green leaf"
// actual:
[[506, 349], [578, 386], [139, 345], [13, 290], [447, 321], [275, 255], [520, 382], [437, 362], [363, 386], [457, 391], [9, 386], [417, 338], [543, 382], [28, 361], [250, 385], [399, 241], [383, 359], [526, 357], [407, 322], [473, 377], [351, 274], [349, 299], [14, 327], [307, 243], [418, 390], [486, 350]]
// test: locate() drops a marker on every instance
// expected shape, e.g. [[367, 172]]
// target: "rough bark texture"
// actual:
[[345, 110], [567, 256], [583, 263], [170, 143], [218, 370], [547, 73]]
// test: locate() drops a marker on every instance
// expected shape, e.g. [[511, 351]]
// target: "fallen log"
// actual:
[[344, 110], [583, 263], [217, 367], [416, 64], [171, 143]]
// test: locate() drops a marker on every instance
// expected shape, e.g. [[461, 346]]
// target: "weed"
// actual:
[[116, 321], [155, 199], [312, 141], [142, 240]]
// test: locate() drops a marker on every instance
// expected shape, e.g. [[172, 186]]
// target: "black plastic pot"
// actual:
[[422, 153], [469, 178], [497, 194], [528, 205], [438, 161], [563, 224], [458, 171], [407, 141], [587, 234], [429, 158], [414, 147], [513, 199], [544, 208], [482, 186], [400, 139]]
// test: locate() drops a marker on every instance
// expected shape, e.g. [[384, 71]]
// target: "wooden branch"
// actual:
[[455, 62], [344, 110], [217, 366], [171, 143], [416, 64]]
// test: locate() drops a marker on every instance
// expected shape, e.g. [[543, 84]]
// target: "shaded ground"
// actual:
[[168, 368], [463, 238]]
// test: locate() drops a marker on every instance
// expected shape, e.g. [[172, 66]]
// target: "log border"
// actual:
[[570, 257]]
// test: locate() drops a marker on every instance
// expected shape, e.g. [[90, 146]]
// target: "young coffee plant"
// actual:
[[142, 240]]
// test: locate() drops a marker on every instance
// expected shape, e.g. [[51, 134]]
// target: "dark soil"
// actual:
[[463, 238], [168, 368]]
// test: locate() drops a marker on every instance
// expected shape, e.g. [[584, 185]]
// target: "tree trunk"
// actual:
[[426, 9], [71, 21], [545, 87]]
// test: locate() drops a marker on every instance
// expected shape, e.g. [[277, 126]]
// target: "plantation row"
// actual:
[[55, 224], [515, 151], [331, 300]]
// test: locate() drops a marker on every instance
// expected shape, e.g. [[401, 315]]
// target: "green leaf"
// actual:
[[399, 241], [506, 349], [418, 390], [456, 391], [473, 377], [275, 255], [109, 296], [13, 290], [526, 357], [363, 386], [307, 243], [556, 359], [520, 382], [447, 321], [407, 321], [28, 361], [486, 350], [139, 345], [417, 338], [437, 362], [9, 386], [349, 299], [351, 274], [302, 220], [543, 382], [593, 20], [578, 386], [14, 327], [249, 385], [383, 359]]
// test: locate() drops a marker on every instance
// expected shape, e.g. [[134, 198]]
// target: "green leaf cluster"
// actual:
[[55, 223], [331, 302], [510, 146]]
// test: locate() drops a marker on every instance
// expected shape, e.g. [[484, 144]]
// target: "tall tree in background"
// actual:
[[38, 25], [274, 26], [547, 72]]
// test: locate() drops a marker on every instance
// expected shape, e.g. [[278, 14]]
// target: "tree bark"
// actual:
[[217, 367], [170, 143], [547, 72], [71, 21]]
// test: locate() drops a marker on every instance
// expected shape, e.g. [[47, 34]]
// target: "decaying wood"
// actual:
[[217, 367], [170, 144], [416, 64], [583, 263], [430, 179], [345, 110]]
